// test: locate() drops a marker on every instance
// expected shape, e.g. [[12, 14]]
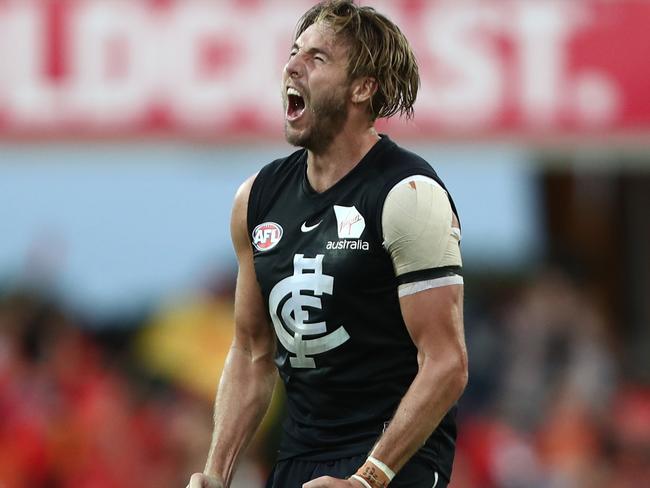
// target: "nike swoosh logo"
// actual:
[[308, 228]]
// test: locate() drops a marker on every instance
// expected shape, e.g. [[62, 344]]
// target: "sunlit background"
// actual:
[[127, 125]]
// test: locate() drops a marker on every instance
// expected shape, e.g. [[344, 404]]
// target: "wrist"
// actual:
[[215, 475], [362, 482], [374, 474]]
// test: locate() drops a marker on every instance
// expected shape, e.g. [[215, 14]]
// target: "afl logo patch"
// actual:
[[266, 236]]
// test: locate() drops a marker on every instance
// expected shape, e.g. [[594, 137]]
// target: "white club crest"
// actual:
[[295, 317]]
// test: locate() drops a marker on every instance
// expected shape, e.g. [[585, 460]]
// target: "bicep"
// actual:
[[434, 319], [252, 329], [422, 235]]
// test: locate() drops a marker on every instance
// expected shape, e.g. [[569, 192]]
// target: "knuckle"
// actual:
[[196, 480]]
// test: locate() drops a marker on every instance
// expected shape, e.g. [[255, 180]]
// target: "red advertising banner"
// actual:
[[211, 69]]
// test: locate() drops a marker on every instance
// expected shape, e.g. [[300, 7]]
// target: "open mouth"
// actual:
[[295, 105]]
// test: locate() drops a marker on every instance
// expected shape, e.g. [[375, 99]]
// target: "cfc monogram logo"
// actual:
[[307, 276]]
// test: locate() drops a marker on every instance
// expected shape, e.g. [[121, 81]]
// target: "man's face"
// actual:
[[315, 89]]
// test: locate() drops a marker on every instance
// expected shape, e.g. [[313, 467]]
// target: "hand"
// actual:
[[329, 482], [200, 480]]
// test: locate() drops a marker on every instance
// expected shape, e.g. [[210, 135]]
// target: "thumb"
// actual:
[[200, 480]]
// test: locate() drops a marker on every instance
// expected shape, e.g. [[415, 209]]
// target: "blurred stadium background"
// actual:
[[125, 129]]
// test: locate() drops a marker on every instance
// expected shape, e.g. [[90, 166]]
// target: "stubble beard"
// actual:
[[328, 115]]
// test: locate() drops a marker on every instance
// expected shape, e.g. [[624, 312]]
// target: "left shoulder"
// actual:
[[400, 159], [396, 164]]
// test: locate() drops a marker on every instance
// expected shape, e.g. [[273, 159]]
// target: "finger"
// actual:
[[322, 482], [197, 481]]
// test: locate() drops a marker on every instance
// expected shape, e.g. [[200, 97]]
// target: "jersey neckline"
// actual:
[[367, 159]]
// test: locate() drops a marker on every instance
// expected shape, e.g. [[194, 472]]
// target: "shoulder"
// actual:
[[397, 163], [255, 193], [239, 216], [399, 159], [398, 166], [275, 175], [243, 192]]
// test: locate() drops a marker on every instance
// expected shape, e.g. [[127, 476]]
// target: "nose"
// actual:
[[294, 67]]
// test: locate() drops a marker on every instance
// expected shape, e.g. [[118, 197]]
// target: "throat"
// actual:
[[325, 169], [323, 175]]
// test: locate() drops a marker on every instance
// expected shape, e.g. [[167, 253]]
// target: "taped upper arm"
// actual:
[[422, 235]]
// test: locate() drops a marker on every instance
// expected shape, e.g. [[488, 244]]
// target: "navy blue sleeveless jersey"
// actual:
[[343, 350]]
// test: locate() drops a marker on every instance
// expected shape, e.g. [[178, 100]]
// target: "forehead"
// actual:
[[322, 37]]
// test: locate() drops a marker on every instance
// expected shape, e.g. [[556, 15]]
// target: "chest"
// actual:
[[339, 234]]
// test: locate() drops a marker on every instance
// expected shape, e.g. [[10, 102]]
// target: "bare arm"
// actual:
[[249, 374], [434, 319]]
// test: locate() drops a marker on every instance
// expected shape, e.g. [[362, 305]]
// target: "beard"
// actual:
[[328, 114]]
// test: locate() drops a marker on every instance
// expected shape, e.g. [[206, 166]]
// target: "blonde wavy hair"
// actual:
[[377, 49]]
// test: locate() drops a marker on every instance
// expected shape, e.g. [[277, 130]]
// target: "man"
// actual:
[[349, 278]]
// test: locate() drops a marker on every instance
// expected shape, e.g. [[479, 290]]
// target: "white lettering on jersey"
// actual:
[[348, 245], [307, 276]]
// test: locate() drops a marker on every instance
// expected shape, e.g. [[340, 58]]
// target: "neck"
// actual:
[[325, 168]]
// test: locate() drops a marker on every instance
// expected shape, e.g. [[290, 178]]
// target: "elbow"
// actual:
[[457, 374], [461, 374], [448, 373]]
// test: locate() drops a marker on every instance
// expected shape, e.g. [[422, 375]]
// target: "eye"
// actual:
[[319, 58]]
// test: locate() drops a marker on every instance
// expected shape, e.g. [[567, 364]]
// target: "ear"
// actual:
[[363, 89]]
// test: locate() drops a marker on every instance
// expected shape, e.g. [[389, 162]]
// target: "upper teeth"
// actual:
[[293, 91]]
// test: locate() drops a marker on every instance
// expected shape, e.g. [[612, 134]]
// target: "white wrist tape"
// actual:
[[387, 471], [360, 480]]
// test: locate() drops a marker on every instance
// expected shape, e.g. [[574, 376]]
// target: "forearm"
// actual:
[[244, 394], [437, 386]]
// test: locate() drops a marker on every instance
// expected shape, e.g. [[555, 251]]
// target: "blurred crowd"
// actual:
[[129, 405], [550, 403], [75, 412]]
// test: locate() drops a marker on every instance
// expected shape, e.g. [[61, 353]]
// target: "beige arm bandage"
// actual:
[[418, 232]]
